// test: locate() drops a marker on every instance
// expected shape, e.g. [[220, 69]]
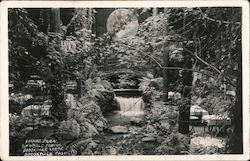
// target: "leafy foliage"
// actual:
[[24, 37], [218, 48], [209, 38], [70, 127], [218, 104], [175, 143]]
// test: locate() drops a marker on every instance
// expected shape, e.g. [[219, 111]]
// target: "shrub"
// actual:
[[100, 91], [175, 143], [70, 128]]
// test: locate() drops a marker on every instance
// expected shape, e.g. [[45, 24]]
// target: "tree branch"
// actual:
[[217, 21], [176, 68], [203, 61]]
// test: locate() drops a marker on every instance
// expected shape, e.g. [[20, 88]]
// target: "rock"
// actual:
[[148, 139], [119, 129], [136, 121], [100, 124], [173, 115], [160, 139], [165, 124], [135, 130], [127, 135], [150, 129], [111, 150]]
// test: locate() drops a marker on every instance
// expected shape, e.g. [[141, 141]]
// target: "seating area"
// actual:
[[212, 124]]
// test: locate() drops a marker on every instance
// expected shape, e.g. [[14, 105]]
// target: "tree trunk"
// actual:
[[58, 109], [236, 141], [185, 109]]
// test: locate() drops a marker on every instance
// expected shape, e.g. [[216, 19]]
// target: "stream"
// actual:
[[130, 115], [131, 108]]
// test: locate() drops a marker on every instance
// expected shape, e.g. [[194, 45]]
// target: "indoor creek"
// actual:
[[130, 108], [127, 126]]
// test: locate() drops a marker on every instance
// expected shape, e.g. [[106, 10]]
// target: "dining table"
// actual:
[[36, 110], [196, 110], [218, 121]]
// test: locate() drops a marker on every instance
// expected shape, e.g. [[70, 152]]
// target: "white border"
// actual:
[[104, 4]]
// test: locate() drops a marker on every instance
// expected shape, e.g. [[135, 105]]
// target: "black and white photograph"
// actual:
[[125, 80]]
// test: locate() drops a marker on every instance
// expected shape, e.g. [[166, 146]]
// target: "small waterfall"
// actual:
[[131, 106]]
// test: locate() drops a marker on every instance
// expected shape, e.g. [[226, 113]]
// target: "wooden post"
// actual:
[[166, 62], [155, 10], [184, 114], [90, 17], [105, 63], [165, 75], [79, 87], [55, 20]]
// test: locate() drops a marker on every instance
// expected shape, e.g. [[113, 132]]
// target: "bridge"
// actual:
[[122, 71]]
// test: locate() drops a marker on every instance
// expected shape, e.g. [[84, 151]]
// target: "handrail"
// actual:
[[119, 71]]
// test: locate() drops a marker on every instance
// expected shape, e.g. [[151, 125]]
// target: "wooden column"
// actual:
[[155, 11], [165, 62], [165, 75], [184, 113], [55, 20]]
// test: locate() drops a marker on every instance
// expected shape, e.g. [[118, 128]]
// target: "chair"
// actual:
[[193, 119]]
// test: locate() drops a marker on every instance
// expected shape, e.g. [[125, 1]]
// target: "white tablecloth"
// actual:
[[196, 110], [36, 110], [20, 98], [213, 120]]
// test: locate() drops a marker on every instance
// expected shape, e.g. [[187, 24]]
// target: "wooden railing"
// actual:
[[112, 66], [121, 71]]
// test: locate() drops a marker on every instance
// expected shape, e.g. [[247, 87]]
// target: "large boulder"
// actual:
[[148, 139], [119, 129], [136, 121]]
